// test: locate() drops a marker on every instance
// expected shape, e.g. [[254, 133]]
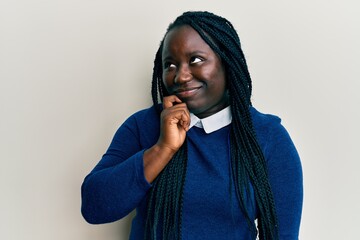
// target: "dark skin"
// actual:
[[195, 79], [193, 72]]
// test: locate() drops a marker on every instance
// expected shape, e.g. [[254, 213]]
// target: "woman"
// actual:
[[204, 163]]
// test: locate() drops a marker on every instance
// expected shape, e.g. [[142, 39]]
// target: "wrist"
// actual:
[[164, 150], [155, 160]]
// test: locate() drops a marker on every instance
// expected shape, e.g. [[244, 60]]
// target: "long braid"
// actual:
[[165, 199], [248, 166], [156, 86]]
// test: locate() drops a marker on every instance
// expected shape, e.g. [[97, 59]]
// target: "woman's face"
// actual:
[[193, 72]]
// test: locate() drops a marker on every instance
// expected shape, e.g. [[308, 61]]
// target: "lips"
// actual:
[[186, 92]]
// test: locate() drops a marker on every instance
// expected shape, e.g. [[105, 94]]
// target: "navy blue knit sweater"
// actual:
[[117, 184]]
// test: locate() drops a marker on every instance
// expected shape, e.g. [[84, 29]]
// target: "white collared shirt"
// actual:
[[214, 122]]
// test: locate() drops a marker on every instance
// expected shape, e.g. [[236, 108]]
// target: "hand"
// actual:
[[175, 122]]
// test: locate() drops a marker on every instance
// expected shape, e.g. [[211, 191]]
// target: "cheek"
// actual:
[[167, 83], [165, 80], [221, 76], [219, 81]]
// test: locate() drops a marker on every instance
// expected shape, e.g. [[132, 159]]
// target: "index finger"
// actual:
[[170, 101]]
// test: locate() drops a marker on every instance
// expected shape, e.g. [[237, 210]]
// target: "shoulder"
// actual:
[[269, 130], [143, 122], [272, 136], [147, 116], [142, 126], [263, 122]]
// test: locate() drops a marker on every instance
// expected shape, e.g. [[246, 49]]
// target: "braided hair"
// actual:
[[248, 166]]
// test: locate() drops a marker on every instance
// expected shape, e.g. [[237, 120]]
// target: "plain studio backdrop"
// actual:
[[72, 71]]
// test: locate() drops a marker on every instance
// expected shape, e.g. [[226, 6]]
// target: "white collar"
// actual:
[[214, 122]]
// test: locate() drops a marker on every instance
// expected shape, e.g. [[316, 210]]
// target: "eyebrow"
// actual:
[[196, 52]]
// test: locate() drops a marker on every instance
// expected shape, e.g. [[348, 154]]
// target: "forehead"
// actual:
[[183, 39]]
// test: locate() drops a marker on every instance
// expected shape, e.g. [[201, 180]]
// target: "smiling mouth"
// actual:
[[186, 93]]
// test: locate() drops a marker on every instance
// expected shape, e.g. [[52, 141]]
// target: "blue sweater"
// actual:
[[117, 184]]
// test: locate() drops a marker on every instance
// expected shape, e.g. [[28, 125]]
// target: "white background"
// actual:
[[71, 71]]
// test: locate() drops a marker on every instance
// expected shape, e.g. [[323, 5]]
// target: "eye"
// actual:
[[169, 65], [195, 60]]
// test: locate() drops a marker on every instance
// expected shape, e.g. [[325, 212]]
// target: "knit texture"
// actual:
[[117, 184]]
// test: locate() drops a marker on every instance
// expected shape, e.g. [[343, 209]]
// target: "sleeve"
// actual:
[[286, 179], [117, 184]]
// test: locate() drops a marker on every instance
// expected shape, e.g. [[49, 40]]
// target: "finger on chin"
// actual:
[[170, 101]]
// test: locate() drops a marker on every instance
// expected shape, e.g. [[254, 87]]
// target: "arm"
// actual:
[[116, 185], [122, 178], [175, 121], [285, 176]]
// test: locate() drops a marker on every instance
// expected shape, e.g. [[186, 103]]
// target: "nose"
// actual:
[[183, 75]]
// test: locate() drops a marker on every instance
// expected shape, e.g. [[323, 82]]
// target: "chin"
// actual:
[[195, 109]]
